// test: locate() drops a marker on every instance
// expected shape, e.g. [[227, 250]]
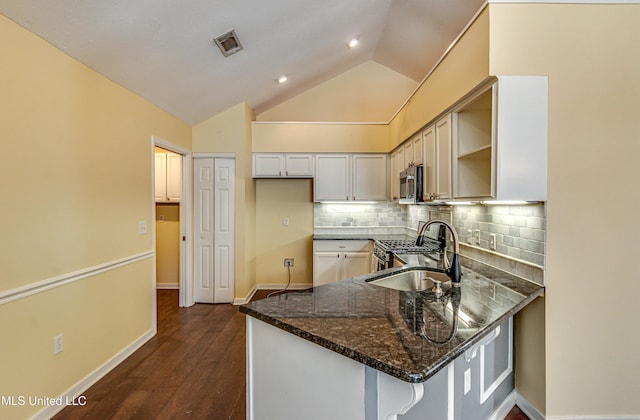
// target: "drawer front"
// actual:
[[347, 245]]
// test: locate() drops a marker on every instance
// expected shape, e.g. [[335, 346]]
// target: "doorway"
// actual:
[[171, 172]]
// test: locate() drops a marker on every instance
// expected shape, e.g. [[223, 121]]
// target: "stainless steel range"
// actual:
[[383, 249]]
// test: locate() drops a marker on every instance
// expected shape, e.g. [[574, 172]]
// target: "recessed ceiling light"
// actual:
[[282, 79], [353, 42]]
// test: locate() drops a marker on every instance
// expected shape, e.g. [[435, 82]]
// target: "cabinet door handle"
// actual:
[[338, 256]]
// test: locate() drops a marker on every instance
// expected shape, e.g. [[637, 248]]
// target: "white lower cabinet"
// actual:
[[339, 260], [317, 383]]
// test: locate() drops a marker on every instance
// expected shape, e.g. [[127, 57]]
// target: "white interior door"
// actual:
[[224, 272], [214, 230], [203, 230]]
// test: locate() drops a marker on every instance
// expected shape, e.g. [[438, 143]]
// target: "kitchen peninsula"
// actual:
[[357, 350]]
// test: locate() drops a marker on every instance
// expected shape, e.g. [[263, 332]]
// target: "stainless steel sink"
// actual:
[[412, 280]]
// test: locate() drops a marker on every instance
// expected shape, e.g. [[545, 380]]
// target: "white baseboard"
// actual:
[[247, 299], [280, 286], [504, 408], [168, 286], [76, 390], [527, 408]]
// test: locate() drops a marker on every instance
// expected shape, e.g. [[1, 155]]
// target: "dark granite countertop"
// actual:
[[385, 329]]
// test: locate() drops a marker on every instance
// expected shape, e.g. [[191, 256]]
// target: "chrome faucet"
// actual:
[[451, 269]]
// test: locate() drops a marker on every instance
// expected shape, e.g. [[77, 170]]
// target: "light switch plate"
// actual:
[[58, 344]]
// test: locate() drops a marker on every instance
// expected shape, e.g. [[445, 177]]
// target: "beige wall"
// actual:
[[589, 52], [230, 132], [277, 199], [167, 245], [318, 137], [369, 92], [76, 180], [465, 66]]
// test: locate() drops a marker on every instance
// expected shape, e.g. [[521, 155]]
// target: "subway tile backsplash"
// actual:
[[519, 230], [359, 215]]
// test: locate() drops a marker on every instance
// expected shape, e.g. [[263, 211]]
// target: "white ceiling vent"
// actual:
[[228, 43]]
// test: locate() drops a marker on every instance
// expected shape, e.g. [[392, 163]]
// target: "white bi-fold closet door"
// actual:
[[214, 256]]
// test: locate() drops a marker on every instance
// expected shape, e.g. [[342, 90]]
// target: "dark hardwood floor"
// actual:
[[194, 367]]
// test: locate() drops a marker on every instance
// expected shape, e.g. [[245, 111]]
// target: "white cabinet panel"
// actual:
[[369, 178], [174, 177], [443, 157], [437, 162], [268, 165], [168, 177], [339, 260], [346, 177], [298, 165], [396, 166], [282, 165], [333, 177], [160, 170]]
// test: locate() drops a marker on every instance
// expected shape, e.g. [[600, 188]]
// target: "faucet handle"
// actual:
[[437, 288]]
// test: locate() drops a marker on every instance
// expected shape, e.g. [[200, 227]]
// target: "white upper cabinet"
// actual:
[[332, 180], [437, 160], [285, 165], [396, 165], [500, 141], [346, 177], [413, 151], [369, 177], [168, 177]]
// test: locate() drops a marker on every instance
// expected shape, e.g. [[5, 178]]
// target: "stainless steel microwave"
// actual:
[[411, 183]]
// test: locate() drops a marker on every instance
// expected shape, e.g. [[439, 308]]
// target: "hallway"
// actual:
[[194, 367]]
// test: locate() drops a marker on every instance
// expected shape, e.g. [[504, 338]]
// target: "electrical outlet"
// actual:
[[469, 236], [58, 344], [285, 221], [142, 227], [288, 262], [492, 241], [467, 381], [476, 234]]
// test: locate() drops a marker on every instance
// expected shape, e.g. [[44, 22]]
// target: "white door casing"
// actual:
[[214, 230]]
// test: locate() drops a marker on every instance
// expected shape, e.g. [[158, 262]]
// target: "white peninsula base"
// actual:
[[292, 378]]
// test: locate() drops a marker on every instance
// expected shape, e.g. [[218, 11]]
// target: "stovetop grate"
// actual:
[[407, 245]]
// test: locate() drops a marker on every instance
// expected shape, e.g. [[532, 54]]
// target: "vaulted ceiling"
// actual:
[[164, 51]]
